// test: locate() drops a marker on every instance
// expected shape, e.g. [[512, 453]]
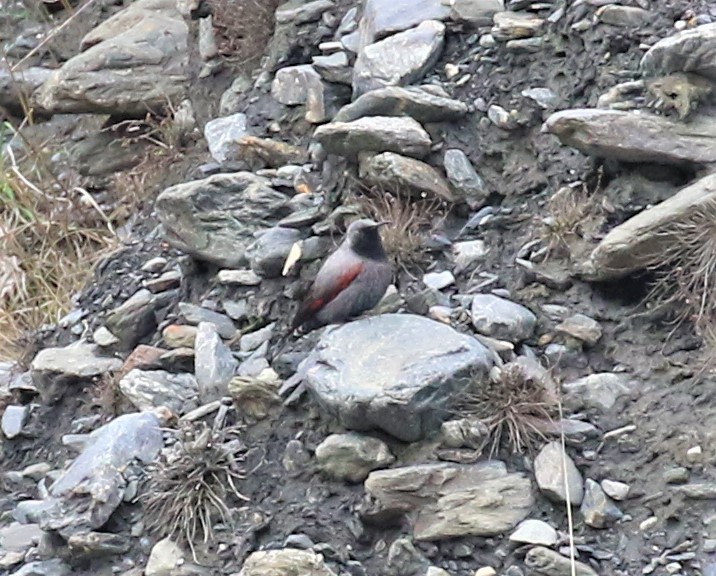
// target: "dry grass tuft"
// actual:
[[190, 488], [50, 237], [514, 406], [411, 222]]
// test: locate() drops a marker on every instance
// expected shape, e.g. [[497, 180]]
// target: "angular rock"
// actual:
[[597, 391], [167, 281], [401, 59], [267, 153], [179, 336], [691, 50], [135, 318], [253, 340], [352, 457], [196, 315], [514, 25], [238, 277], [364, 374], [17, 87], [452, 500], [464, 179], [468, 254], [635, 137], [582, 328], [382, 18], [503, 319], [535, 532], [214, 219], [165, 556], [13, 420], [214, 364], [639, 241], [464, 433], [549, 468], [84, 497], [89, 545], [475, 12], [268, 253], [292, 84], [551, 563], [302, 12], [597, 508], [630, 16], [149, 389], [421, 103], [439, 280], [223, 134], [135, 61], [287, 562], [334, 68], [54, 567], [616, 490], [374, 134], [395, 172], [53, 369]]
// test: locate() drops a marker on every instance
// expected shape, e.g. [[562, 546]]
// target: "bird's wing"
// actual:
[[336, 274]]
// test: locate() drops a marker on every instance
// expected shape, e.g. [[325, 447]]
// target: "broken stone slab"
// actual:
[[392, 171], [549, 468], [149, 389], [267, 255], [451, 500], [223, 134], [465, 179], [551, 563], [382, 18], [424, 104], [84, 497], [597, 508], [630, 16], [640, 241], [136, 65], [401, 59], [334, 68], [136, 317], [302, 84], [13, 420], [597, 391], [501, 318], [352, 457], [53, 369], [474, 12], [214, 364], [195, 315], [635, 136], [364, 374], [286, 562], [214, 219], [533, 531], [374, 134], [302, 12], [18, 86], [691, 50], [516, 25]]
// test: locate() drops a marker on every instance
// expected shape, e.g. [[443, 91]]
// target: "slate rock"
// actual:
[[133, 62], [54, 567], [179, 336], [503, 319], [634, 244], [149, 389], [214, 364], [535, 532], [334, 68], [286, 562], [374, 134], [86, 494], [291, 85], [636, 137], [422, 103], [165, 556], [692, 50], [14, 419], [474, 12], [465, 179], [549, 466], [352, 457], [628, 16], [268, 253], [551, 563], [451, 500], [222, 136], [399, 60], [302, 12], [91, 545], [214, 219], [597, 391], [582, 328], [383, 18], [196, 315], [615, 490], [510, 25], [392, 171], [136, 317], [597, 508], [468, 254]]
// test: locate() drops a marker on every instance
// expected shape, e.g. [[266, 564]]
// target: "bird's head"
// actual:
[[363, 236]]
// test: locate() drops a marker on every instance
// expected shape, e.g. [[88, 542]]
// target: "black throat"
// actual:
[[369, 245]]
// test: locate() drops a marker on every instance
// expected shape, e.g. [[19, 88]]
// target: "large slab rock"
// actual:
[[214, 219], [134, 62], [636, 243], [382, 18], [451, 500], [691, 50], [365, 374], [423, 103], [635, 137], [53, 369], [400, 59], [374, 134], [89, 491]]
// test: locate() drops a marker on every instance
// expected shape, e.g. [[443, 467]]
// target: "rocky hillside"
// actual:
[[534, 393]]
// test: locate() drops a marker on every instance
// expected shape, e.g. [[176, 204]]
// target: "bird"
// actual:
[[353, 279]]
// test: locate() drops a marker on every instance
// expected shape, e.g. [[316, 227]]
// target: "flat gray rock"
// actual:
[[636, 137], [597, 391], [691, 50], [374, 134], [302, 12], [334, 68], [643, 239], [401, 59], [628, 16], [84, 497], [597, 508], [475, 12], [195, 315], [464, 178], [382, 18], [54, 567], [363, 373], [535, 532], [421, 103], [223, 134], [214, 364], [13, 420], [134, 62], [215, 219], [392, 171], [149, 389], [352, 457], [501, 318], [549, 466], [135, 318], [452, 500], [267, 255], [551, 563]]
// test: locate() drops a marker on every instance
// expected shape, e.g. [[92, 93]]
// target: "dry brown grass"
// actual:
[[190, 489], [243, 28], [50, 237], [514, 407]]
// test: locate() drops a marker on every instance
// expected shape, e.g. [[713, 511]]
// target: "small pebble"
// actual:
[[648, 524], [694, 455], [451, 70], [155, 264], [486, 571]]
